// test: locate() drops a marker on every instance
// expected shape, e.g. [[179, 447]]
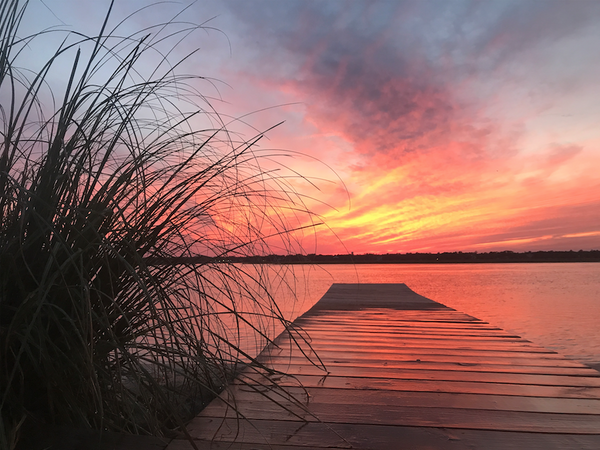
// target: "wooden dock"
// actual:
[[403, 372]]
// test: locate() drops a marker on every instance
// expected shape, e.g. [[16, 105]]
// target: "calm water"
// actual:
[[554, 305]]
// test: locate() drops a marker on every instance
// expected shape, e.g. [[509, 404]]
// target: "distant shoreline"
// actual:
[[412, 263], [398, 258]]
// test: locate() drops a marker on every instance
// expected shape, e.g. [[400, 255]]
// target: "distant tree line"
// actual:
[[399, 258]]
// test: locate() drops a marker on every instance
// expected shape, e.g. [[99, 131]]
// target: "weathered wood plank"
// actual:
[[310, 396], [180, 444], [441, 342], [429, 320], [286, 351], [386, 313], [543, 379], [317, 435], [223, 445], [432, 416], [549, 355], [389, 316], [467, 387], [397, 333], [380, 437], [389, 324], [342, 347], [415, 359], [397, 338], [392, 324]]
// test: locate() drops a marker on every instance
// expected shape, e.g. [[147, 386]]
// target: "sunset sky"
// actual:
[[453, 125]]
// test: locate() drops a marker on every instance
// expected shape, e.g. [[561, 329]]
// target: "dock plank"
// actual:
[[234, 433], [433, 416], [417, 358], [489, 344], [367, 371], [311, 396], [392, 384], [402, 371]]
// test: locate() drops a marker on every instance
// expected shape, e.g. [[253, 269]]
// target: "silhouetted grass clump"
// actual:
[[100, 176]]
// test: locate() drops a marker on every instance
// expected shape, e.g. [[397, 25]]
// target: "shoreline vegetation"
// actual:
[[111, 156], [396, 258]]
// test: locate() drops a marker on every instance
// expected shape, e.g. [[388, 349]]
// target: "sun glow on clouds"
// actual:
[[457, 120], [454, 125]]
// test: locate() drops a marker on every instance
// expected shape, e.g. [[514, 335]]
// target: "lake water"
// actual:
[[554, 305]]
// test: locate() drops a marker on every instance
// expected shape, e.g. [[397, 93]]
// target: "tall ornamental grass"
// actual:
[[110, 173]]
